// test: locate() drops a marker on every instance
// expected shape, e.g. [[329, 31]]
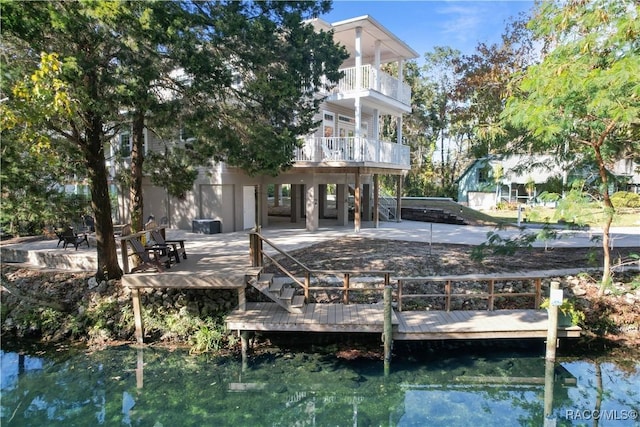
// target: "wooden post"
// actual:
[[549, 376], [400, 286], [345, 286], [242, 299], [124, 253], [552, 328], [245, 337], [140, 369], [387, 337], [137, 315], [491, 293]]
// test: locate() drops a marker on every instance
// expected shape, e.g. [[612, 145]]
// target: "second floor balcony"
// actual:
[[373, 79], [353, 150]]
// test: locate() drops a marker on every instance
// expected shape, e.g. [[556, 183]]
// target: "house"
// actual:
[[520, 178], [345, 152]]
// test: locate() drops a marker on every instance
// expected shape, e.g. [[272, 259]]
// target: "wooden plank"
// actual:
[[413, 325]]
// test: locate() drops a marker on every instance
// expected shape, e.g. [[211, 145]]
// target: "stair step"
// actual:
[[287, 294], [265, 278], [276, 287], [252, 272], [298, 301]]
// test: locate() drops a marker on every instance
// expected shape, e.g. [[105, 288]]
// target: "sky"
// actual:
[[424, 24]]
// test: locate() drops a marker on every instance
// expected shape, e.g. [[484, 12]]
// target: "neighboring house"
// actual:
[[519, 179], [346, 150]]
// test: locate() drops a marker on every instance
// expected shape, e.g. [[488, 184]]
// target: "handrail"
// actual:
[[258, 253], [490, 294]]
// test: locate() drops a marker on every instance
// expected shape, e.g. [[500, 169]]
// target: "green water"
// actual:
[[426, 386]]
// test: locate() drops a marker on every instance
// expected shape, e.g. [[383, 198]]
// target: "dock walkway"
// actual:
[[407, 325]]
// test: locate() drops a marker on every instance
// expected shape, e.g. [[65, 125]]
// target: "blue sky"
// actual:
[[423, 24]]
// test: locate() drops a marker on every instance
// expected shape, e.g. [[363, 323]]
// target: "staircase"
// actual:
[[276, 289], [387, 207]]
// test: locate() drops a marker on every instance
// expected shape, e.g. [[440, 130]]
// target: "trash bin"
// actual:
[[206, 226]]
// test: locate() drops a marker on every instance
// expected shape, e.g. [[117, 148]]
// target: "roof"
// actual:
[[392, 49]]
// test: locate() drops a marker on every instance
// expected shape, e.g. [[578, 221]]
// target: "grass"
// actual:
[[593, 217], [536, 215]]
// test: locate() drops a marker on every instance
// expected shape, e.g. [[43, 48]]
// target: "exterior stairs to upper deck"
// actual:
[[276, 290]]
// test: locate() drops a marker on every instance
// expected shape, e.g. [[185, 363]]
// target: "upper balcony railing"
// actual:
[[385, 84], [353, 150]]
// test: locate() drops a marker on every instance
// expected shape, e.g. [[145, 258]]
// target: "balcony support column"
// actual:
[[342, 204], [295, 202], [356, 199], [312, 206], [366, 202], [358, 59], [376, 67], [399, 199], [376, 201]]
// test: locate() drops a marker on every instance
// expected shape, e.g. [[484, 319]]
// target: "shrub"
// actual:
[[625, 199]]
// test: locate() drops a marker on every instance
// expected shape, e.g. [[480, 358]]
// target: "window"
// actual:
[[125, 145], [328, 125]]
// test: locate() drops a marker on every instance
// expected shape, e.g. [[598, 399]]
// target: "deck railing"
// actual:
[[258, 253], [352, 150], [385, 84], [447, 283]]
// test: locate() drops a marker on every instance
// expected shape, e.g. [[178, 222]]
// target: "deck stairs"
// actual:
[[277, 289]]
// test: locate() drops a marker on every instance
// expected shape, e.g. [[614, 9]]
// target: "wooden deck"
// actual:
[[407, 325]]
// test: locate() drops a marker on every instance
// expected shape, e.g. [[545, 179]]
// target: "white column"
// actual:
[[376, 66], [400, 80], [375, 132], [311, 206], [358, 58]]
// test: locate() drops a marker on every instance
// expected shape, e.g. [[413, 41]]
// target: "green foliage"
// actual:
[[172, 170], [568, 308], [625, 199], [498, 245], [547, 233]]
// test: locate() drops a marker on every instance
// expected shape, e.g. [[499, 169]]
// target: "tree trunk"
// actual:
[[137, 159], [609, 212], [108, 266]]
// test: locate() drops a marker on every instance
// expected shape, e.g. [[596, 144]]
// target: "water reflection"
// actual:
[[155, 387]]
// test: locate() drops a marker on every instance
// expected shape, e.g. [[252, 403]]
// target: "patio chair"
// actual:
[[150, 258], [175, 246], [67, 237]]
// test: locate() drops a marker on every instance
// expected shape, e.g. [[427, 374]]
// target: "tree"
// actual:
[[110, 64], [583, 99], [72, 93], [450, 130], [483, 86]]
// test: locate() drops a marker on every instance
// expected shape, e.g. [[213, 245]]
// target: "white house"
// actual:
[[345, 150]]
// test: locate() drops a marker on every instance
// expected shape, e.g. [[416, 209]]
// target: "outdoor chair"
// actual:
[[150, 258], [67, 237], [175, 247]]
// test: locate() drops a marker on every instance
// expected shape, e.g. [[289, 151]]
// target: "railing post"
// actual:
[[387, 337], [552, 329], [345, 295], [491, 292], [124, 252], [307, 284], [400, 285], [538, 293], [447, 292]]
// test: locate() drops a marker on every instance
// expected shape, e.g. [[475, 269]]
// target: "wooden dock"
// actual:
[[407, 325]]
